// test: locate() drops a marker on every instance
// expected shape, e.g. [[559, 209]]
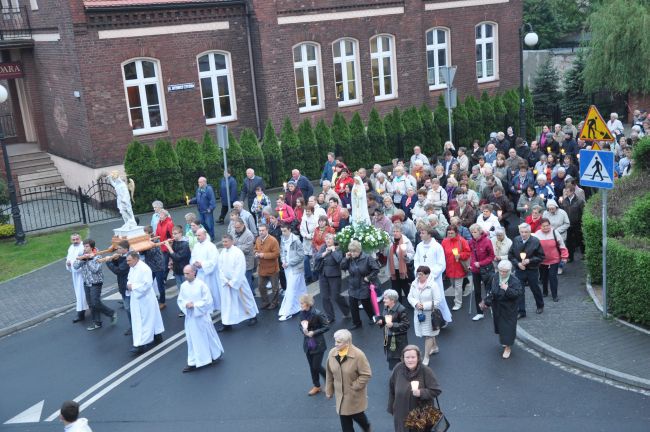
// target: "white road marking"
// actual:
[[30, 415]]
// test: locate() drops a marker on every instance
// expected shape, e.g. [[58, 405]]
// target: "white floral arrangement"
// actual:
[[372, 239]]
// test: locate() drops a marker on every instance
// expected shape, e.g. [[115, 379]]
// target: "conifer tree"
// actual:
[[412, 130], [133, 159], [235, 159], [487, 117], [430, 136], [213, 157], [511, 101], [461, 125], [272, 157], [475, 125], [530, 115], [441, 122], [359, 143], [575, 99], [377, 138], [546, 93], [324, 139], [499, 114], [147, 184], [293, 158], [341, 136], [169, 175], [394, 132], [253, 156], [192, 164], [309, 149]]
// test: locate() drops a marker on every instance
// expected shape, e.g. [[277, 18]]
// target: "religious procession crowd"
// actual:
[[484, 220]]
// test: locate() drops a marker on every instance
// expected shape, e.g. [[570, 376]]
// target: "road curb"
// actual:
[[540, 346]]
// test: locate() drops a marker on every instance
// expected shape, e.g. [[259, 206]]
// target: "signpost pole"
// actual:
[[604, 211], [222, 139]]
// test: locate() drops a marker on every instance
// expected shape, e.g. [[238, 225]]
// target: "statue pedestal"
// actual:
[[128, 232]]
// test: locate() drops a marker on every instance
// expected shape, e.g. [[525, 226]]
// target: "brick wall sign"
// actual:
[[177, 87], [11, 70]]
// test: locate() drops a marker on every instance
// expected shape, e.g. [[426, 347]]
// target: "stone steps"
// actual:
[[35, 168]]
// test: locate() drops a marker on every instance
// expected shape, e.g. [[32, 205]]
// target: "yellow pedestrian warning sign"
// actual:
[[595, 128]]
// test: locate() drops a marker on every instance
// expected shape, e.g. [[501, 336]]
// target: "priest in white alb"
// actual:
[[429, 253], [237, 301], [195, 301], [204, 259], [146, 321], [76, 249]]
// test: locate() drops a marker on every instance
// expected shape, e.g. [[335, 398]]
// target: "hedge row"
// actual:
[[628, 273]]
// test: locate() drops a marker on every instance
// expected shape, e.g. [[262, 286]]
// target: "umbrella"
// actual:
[[373, 299]]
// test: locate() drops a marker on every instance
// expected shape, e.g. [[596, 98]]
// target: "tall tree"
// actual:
[[309, 150], [430, 137], [475, 125], [324, 139], [554, 20], [169, 175], [272, 156], [511, 101], [148, 187], [461, 126], [252, 152], [575, 99], [413, 135], [359, 143], [213, 157], [235, 159], [192, 164], [546, 93], [394, 127], [618, 58], [293, 158], [487, 116], [377, 138], [341, 136]]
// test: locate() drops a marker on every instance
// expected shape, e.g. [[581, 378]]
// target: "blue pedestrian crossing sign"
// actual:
[[597, 169]]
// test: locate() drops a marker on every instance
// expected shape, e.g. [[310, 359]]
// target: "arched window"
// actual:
[[144, 97], [438, 54], [384, 72], [217, 88], [486, 52], [346, 71], [307, 70]]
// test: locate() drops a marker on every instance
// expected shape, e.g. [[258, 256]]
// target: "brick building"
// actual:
[[97, 74]]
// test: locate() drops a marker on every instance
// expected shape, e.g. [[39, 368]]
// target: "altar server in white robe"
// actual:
[[204, 259], [292, 256], [146, 321], [430, 253], [195, 301], [76, 249], [237, 301]]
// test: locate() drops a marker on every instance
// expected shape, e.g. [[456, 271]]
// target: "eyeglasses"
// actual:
[[421, 274]]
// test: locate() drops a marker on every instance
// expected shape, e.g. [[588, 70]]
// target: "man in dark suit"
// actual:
[[251, 182], [303, 184], [526, 254]]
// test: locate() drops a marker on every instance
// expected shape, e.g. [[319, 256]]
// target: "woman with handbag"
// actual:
[[480, 264], [328, 265], [411, 385], [313, 325], [425, 297], [400, 262], [395, 323], [457, 254], [362, 268], [503, 297]]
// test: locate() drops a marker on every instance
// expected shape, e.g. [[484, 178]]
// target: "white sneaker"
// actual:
[[560, 270], [478, 317], [284, 317], [456, 307]]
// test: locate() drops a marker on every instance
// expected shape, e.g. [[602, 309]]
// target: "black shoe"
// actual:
[[128, 332], [556, 299], [220, 222], [157, 338], [187, 369], [539, 310], [545, 294], [220, 327], [137, 350], [521, 315], [77, 319], [252, 322], [356, 326]]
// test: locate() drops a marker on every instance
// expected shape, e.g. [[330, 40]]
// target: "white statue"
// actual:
[[123, 200], [359, 203]]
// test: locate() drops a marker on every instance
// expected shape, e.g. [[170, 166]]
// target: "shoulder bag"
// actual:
[[464, 263]]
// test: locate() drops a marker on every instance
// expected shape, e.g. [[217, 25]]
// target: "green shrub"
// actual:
[[412, 131], [487, 116], [394, 128], [341, 137], [511, 102], [441, 121], [272, 157], [170, 173], [148, 187], [309, 150], [641, 154], [430, 137], [475, 127], [4, 200], [192, 164], [628, 272], [250, 147], [636, 221], [235, 159], [499, 114], [377, 138], [7, 230], [530, 115], [324, 140], [293, 157], [461, 126], [359, 144], [212, 158]]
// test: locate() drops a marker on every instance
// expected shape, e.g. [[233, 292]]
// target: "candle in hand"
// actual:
[[280, 213], [304, 324], [541, 196], [548, 149], [187, 200], [499, 213], [389, 319], [522, 255], [415, 385], [389, 173], [284, 185], [454, 251], [451, 213]]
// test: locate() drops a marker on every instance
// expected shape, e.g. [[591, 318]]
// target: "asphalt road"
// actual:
[[262, 380]]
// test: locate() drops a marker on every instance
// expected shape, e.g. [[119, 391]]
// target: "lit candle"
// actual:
[[561, 199], [552, 184], [541, 196], [522, 255], [451, 213], [304, 324], [451, 175], [415, 385], [578, 156], [187, 200], [390, 173], [454, 251], [562, 151], [280, 213], [535, 172], [284, 185], [389, 319], [548, 149], [417, 174], [526, 206], [499, 213]]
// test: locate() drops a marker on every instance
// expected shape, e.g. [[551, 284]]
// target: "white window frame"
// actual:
[[304, 65], [213, 74], [484, 41], [435, 47], [141, 83], [379, 56], [343, 59]]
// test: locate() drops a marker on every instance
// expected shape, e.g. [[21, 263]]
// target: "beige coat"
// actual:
[[348, 381]]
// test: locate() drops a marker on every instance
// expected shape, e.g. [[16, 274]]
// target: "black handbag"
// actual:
[[437, 321], [443, 424]]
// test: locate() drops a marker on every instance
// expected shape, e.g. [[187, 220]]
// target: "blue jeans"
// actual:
[[159, 277], [307, 265], [249, 278], [207, 220]]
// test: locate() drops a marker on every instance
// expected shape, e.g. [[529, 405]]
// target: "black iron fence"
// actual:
[[49, 206], [7, 126], [14, 23]]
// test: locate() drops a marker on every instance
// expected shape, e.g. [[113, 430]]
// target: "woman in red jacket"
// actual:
[[343, 179], [554, 252], [456, 250], [480, 263]]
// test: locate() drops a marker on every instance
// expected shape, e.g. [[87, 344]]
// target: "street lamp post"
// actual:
[[529, 37], [15, 210]]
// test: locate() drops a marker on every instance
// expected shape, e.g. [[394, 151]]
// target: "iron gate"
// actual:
[[98, 202]]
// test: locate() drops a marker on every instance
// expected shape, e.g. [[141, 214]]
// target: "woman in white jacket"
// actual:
[[308, 225], [488, 221], [424, 296]]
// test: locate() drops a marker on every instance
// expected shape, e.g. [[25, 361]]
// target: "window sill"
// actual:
[[438, 87], [487, 80], [311, 109], [140, 132], [385, 98], [350, 103]]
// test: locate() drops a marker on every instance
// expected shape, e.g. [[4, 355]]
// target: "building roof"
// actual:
[[101, 4]]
